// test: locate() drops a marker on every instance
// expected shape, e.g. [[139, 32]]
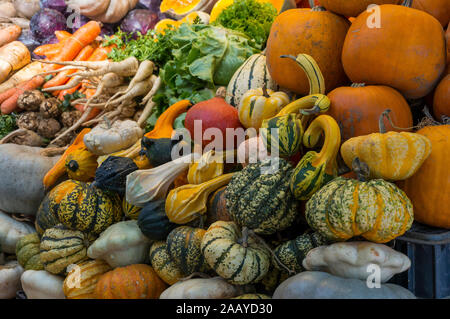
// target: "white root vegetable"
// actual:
[[7, 10], [138, 89], [150, 104], [26, 8], [73, 83], [89, 7]]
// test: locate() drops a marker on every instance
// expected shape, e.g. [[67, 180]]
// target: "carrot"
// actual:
[[61, 35], [62, 77], [10, 104], [9, 34], [53, 48]]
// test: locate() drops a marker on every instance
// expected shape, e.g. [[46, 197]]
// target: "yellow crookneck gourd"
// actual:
[[316, 169], [391, 155], [209, 166], [81, 165], [290, 120], [185, 203]]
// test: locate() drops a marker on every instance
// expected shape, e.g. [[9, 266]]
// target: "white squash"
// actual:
[[11, 231], [352, 260], [201, 288], [106, 139], [108, 11], [321, 285], [121, 244], [22, 169], [40, 284], [146, 185], [252, 150], [10, 279]]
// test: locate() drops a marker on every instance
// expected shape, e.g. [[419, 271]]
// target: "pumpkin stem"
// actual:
[[382, 127], [263, 242], [264, 91], [361, 169], [221, 92], [73, 165], [244, 239]]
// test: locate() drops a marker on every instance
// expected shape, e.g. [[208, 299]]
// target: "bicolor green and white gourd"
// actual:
[[27, 252], [163, 264]]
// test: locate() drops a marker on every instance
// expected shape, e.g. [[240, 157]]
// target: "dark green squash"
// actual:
[[112, 174], [163, 264], [258, 197], [292, 252], [158, 151], [184, 247], [27, 252], [153, 221], [290, 133]]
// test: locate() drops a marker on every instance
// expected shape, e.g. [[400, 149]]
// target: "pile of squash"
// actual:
[[301, 209]]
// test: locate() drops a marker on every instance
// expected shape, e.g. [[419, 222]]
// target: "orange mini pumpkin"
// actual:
[[131, 282], [441, 100]]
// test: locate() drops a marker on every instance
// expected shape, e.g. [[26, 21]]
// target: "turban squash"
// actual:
[[374, 55], [344, 208], [429, 187]]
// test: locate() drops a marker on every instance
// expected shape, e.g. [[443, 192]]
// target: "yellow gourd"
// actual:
[[81, 165]]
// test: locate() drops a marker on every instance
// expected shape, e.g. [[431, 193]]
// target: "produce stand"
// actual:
[[224, 149]]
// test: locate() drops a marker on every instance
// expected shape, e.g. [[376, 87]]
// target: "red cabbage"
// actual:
[[45, 22], [139, 20]]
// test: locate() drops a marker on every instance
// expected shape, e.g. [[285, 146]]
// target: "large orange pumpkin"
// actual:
[[440, 9], [320, 34], [358, 108], [429, 188], [406, 51], [352, 8], [131, 282], [441, 100]]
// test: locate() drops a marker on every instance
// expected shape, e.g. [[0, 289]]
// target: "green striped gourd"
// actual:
[[237, 258], [258, 197], [61, 247], [129, 210], [292, 252], [183, 246], [344, 208], [27, 252], [252, 74], [163, 264], [316, 169]]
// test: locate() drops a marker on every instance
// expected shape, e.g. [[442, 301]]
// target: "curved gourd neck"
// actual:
[[307, 105], [164, 125]]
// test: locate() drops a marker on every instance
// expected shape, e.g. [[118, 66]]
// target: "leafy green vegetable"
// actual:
[[7, 124], [68, 98], [250, 17]]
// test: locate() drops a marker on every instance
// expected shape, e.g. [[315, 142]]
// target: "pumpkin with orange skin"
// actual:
[[440, 9], [352, 8], [357, 109], [137, 281], [409, 59], [441, 99], [319, 34], [429, 188]]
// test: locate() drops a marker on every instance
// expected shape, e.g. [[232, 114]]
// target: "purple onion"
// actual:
[[139, 20]]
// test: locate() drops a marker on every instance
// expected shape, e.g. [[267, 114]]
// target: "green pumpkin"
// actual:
[[183, 246], [153, 221], [61, 247], [290, 132], [79, 206], [27, 252], [163, 264], [292, 252], [129, 210], [262, 202]]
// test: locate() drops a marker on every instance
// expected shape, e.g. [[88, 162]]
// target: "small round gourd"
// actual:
[[153, 221], [163, 264], [27, 252]]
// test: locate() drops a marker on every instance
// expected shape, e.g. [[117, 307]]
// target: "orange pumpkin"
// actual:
[[429, 188], [440, 9], [352, 8], [441, 100], [409, 59], [320, 34], [447, 40], [131, 282], [358, 108]]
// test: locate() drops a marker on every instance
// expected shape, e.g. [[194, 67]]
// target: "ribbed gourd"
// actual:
[[292, 252], [61, 247], [389, 155], [258, 197], [112, 174], [344, 208], [188, 202], [80, 282], [163, 264], [27, 252], [316, 169], [81, 165], [153, 221], [236, 257], [79, 206], [184, 248], [209, 166]]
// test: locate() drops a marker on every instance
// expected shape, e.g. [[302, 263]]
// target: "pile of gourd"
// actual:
[[117, 217]]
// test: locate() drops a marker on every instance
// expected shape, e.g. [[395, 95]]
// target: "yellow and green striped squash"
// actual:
[[27, 252], [79, 206], [224, 251], [316, 169], [260, 104], [163, 264], [131, 211], [344, 208], [183, 246], [61, 247]]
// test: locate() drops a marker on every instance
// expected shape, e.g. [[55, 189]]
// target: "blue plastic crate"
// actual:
[[429, 251]]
